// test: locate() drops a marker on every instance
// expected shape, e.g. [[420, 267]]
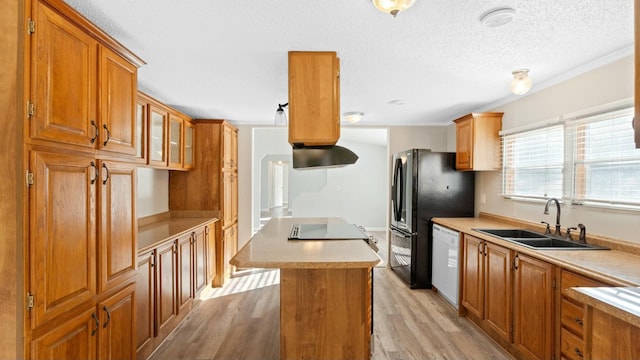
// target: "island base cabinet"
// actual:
[[613, 338], [325, 313]]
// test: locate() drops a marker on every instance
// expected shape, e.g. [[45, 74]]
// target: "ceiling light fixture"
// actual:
[[353, 116], [497, 17], [521, 82], [281, 117], [393, 7]]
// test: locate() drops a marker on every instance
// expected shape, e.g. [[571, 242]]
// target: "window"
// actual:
[[533, 162], [589, 160], [606, 164]]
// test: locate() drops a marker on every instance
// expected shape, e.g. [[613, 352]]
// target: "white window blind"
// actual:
[[606, 164], [533, 162]]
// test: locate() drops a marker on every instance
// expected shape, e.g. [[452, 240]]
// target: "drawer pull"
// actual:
[[578, 353], [578, 321]]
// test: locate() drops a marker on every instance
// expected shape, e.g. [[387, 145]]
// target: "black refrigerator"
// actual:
[[425, 185]]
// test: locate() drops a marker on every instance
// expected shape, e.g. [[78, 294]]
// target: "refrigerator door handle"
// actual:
[[398, 181]]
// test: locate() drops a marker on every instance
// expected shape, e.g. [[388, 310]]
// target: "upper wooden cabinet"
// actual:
[[170, 135], [175, 143], [478, 142], [314, 98], [73, 75]]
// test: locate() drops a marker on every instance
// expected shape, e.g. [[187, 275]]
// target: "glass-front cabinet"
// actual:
[[157, 137], [175, 142], [189, 145]]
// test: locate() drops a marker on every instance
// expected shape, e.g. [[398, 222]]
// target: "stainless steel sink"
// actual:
[[534, 240], [513, 233]]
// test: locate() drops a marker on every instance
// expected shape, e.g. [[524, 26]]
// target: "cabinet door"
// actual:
[[62, 246], [166, 282], [185, 273], [189, 145], [472, 276], [228, 184], [142, 118], [230, 242], [199, 259], [145, 301], [229, 147], [73, 339], [158, 118], [118, 230], [464, 143], [118, 89], [210, 236], [533, 307], [314, 102], [497, 289], [175, 142], [64, 78], [117, 329]]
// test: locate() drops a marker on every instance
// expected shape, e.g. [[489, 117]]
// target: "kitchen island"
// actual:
[[325, 289]]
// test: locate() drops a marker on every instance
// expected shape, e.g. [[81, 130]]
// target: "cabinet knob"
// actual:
[[579, 321], [578, 353]]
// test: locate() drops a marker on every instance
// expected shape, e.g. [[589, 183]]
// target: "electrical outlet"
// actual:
[[483, 198]]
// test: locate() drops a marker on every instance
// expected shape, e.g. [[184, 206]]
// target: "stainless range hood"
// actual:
[[329, 156]]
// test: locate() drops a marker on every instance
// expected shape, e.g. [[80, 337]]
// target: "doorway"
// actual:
[[278, 191]]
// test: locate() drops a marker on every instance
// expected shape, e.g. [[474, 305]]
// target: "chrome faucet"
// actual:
[[546, 212]]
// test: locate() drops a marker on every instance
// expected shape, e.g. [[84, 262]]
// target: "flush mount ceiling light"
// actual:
[[353, 116], [281, 117], [521, 82], [393, 7], [497, 17]]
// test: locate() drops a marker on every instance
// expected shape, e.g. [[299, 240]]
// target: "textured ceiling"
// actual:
[[228, 59]]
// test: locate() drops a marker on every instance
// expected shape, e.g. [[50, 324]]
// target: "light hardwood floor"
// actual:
[[241, 321]]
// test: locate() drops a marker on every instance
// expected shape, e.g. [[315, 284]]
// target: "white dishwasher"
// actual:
[[446, 247]]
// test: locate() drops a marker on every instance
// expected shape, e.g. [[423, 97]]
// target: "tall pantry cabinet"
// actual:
[[80, 148], [216, 178]]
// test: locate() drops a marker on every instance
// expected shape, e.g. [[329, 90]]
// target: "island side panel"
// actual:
[[325, 313]]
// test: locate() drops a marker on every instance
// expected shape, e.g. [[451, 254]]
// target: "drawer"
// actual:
[[572, 317], [571, 347], [570, 279]]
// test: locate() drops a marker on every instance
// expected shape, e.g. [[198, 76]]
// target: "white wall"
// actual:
[[607, 84], [152, 192]]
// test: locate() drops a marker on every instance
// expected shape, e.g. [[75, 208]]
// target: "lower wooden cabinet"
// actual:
[[185, 272], [117, 330], [105, 331], [573, 316], [487, 285], [510, 295], [145, 302], [73, 339], [169, 278], [230, 248], [533, 307]]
